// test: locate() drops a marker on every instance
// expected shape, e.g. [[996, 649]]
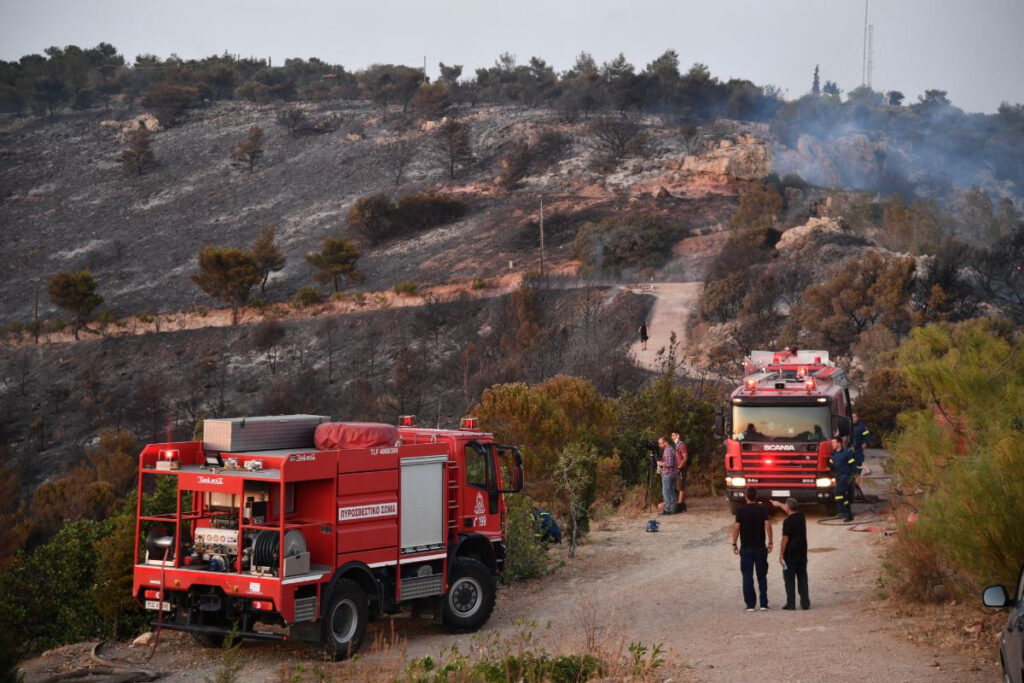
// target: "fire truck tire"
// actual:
[[345, 619], [831, 509], [470, 598]]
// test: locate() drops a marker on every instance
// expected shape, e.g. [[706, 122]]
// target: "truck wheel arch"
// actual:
[[475, 547], [360, 574]]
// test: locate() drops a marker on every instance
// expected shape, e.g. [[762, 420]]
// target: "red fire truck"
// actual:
[[779, 424], [293, 527]]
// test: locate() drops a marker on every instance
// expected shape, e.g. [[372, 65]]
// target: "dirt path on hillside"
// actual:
[[672, 306], [679, 587]]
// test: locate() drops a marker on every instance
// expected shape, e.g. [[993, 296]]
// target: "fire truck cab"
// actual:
[[293, 527], [778, 426]]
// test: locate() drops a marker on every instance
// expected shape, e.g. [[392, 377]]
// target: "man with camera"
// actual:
[[669, 471]]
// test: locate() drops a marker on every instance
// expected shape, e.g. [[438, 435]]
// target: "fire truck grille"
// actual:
[[305, 609], [790, 469], [422, 586]]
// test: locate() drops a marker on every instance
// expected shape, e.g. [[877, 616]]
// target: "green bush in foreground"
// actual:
[[527, 558], [522, 657], [958, 460]]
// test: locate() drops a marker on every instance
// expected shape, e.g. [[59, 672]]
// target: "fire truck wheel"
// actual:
[[470, 599], [345, 620]]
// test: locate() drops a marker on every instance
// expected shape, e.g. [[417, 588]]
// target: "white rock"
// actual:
[[144, 639]]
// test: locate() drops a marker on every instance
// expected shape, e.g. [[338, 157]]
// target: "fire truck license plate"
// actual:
[[780, 493], [152, 604]]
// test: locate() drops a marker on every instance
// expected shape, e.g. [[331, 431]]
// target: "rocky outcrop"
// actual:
[[814, 227], [741, 158], [126, 129], [717, 170]]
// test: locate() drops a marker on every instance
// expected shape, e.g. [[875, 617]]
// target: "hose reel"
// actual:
[[266, 552]]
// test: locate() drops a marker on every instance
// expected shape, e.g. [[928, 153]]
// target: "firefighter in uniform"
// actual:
[[843, 466], [859, 434]]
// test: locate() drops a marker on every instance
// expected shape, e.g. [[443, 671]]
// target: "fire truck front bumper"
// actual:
[[824, 492]]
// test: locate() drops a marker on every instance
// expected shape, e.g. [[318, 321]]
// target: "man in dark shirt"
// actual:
[[859, 435], [793, 553], [842, 464], [751, 527]]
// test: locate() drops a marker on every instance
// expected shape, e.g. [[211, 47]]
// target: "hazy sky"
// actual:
[[970, 48]]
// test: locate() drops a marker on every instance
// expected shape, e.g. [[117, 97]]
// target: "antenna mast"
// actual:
[[871, 52], [864, 55]]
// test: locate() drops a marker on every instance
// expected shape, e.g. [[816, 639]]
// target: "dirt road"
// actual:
[[679, 587], [672, 306]]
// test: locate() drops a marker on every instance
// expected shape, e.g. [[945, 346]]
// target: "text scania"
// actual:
[[303, 457], [217, 481], [779, 447]]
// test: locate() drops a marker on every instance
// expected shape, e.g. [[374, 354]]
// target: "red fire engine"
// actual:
[[296, 527], [779, 426]]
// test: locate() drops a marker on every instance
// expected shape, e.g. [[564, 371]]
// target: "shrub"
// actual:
[[307, 296], [527, 557], [629, 241], [524, 159], [407, 288], [169, 102], [957, 462], [38, 615], [268, 333], [377, 218]]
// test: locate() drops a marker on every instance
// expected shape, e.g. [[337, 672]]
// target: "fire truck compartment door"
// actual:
[[423, 483]]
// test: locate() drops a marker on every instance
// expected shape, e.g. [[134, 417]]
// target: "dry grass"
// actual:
[[529, 653]]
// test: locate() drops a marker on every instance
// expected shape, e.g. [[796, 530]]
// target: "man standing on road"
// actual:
[[793, 553], [683, 463], [669, 473], [751, 527], [842, 463], [642, 331]]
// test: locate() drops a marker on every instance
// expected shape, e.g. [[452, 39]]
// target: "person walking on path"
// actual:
[[643, 335], [669, 472], [859, 434], [843, 466], [683, 463], [793, 553], [752, 526]]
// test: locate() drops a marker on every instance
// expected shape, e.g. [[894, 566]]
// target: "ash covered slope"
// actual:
[[67, 204]]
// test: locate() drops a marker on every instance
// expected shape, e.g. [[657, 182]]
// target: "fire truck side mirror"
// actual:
[[720, 423], [844, 425]]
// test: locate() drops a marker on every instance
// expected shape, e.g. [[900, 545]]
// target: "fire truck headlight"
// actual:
[[735, 481], [826, 482]]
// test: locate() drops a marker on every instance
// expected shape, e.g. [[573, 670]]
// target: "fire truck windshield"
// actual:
[[781, 423]]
